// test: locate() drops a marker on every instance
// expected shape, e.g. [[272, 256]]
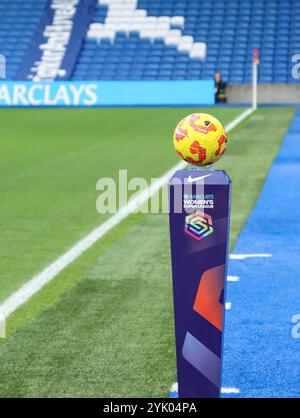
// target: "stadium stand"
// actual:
[[122, 44], [19, 21], [169, 39]]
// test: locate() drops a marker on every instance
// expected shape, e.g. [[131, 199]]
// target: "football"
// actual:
[[200, 139]]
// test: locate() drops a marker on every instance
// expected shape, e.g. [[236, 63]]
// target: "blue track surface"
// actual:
[[261, 357]]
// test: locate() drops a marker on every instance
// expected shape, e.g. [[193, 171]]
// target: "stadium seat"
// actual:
[[168, 39], [15, 16]]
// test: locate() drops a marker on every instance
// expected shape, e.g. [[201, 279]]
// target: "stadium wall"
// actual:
[[106, 93], [267, 93]]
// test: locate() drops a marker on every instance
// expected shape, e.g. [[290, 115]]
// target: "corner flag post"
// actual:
[[255, 77]]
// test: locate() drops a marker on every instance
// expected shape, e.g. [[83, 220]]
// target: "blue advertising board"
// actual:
[[106, 93]]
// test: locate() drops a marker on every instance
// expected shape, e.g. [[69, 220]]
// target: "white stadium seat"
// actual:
[[164, 19], [178, 20], [124, 16], [198, 50], [172, 40]]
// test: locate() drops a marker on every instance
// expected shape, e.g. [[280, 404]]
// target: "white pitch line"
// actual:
[[233, 279], [22, 295], [174, 387], [225, 390], [36, 283], [239, 119], [245, 256], [2, 326]]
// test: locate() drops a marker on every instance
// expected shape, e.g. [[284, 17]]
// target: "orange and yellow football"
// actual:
[[200, 139]]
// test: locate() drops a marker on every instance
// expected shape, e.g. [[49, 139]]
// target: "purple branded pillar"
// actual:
[[199, 227]]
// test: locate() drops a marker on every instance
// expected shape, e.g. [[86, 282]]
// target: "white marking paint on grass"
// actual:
[[233, 279], [239, 119], [22, 295], [37, 282], [224, 390], [228, 306], [2, 327], [174, 388], [245, 256]]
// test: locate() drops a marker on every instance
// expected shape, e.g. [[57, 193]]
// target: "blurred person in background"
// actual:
[[220, 88]]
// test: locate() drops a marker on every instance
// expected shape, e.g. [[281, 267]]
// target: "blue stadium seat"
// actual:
[[19, 21], [230, 28]]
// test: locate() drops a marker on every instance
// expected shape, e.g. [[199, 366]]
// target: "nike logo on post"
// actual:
[[192, 180]]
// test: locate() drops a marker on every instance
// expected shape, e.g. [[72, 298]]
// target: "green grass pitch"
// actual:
[[104, 326]]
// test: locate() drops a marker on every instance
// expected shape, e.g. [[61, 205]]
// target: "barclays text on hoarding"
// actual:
[[48, 94], [106, 93]]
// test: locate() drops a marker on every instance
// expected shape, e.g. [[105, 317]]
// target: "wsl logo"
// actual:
[[198, 225]]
